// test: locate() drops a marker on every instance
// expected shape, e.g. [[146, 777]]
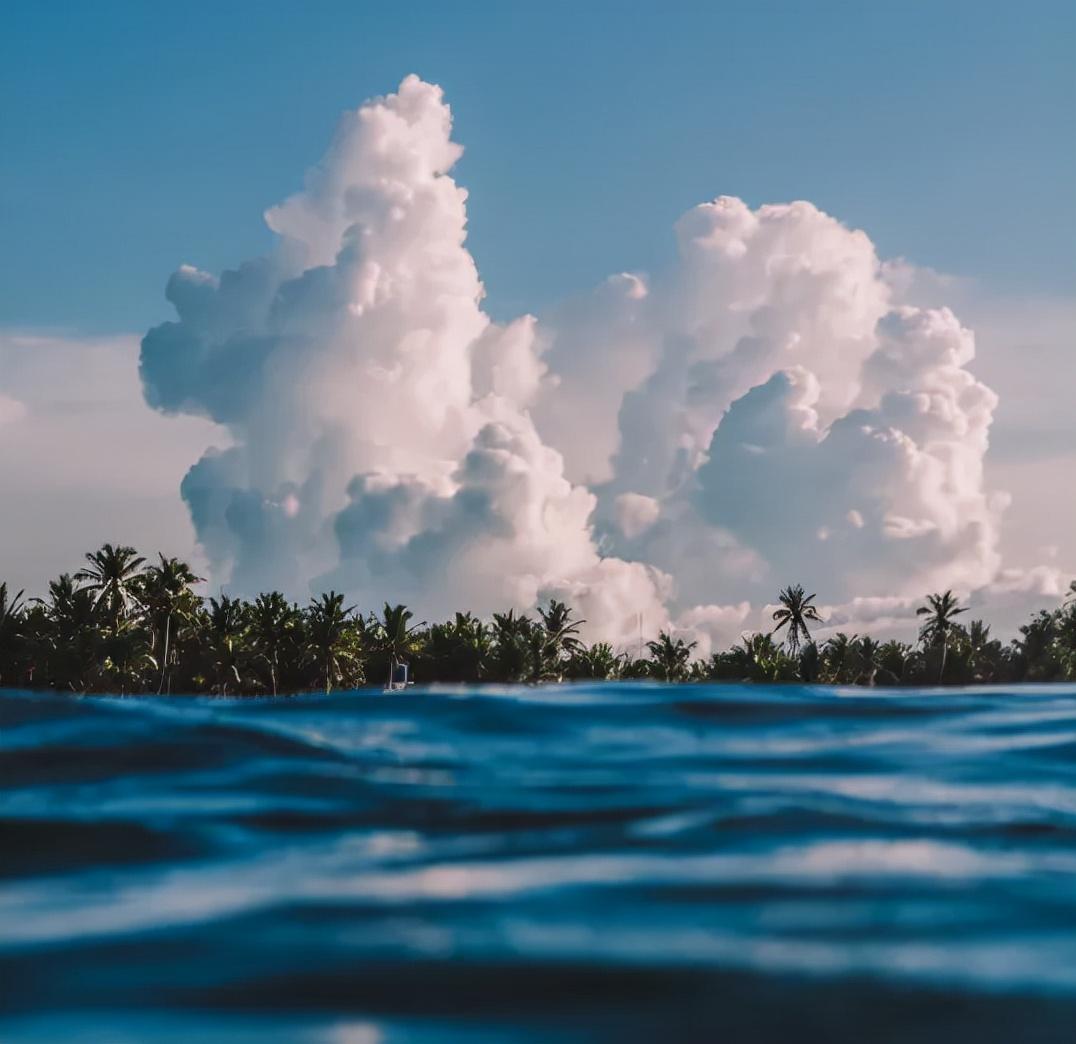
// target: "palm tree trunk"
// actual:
[[164, 659]]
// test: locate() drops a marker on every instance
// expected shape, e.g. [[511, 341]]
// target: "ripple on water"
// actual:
[[604, 862]]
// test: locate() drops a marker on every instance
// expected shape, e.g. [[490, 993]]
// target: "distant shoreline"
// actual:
[[122, 625], [464, 688]]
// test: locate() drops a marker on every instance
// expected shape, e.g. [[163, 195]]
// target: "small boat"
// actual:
[[398, 677]]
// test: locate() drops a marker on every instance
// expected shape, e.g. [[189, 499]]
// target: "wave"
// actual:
[[600, 862]]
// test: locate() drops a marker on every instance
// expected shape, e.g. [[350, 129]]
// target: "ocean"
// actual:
[[610, 862]]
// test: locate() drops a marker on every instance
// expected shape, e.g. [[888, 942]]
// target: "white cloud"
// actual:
[[1026, 349], [382, 440], [801, 419], [777, 405], [716, 627]]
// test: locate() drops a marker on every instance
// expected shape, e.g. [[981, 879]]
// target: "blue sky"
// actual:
[[138, 136]]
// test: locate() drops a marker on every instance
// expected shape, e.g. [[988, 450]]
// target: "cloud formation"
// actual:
[[771, 408], [382, 442]]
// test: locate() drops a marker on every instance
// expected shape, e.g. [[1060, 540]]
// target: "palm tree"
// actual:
[[457, 650], [10, 631], [984, 653], [838, 658], [597, 663], [274, 626], [543, 663], [764, 661], [69, 637], [126, 659], [332, 640], [119, 625], [562, 632], [939, 612], [1035, 647], [810, 661], [225, 630], [796, 609], [511, 647], [1065, 638], [892, 659], [866, 653], [113, 577], [669, 657], [165, 593], [396, 637], [552, 641]]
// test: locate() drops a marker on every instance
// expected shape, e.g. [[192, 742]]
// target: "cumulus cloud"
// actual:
[[800, 418], [893, 491], [775, 406], [382, 442]]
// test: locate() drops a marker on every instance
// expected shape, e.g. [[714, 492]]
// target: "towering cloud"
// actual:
[[382, 442], [768, 409], [782, 414]]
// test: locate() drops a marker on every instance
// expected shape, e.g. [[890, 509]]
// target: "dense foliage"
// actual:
[[120, 625]]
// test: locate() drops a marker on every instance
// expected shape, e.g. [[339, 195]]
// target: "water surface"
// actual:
[[613, 862]]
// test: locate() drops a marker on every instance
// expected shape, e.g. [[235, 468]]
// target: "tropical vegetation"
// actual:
[[123, 625]]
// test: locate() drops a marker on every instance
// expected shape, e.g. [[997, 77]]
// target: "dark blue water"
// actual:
[[607, 863]]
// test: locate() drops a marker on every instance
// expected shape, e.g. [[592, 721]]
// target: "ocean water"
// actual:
[[628, 863]]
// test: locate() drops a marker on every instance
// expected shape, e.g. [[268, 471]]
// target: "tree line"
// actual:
[[122, 625]]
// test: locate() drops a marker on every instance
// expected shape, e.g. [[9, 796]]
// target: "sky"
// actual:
[[137, 138], [133, 134]]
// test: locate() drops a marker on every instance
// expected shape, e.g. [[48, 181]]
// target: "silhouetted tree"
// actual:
[[939, 612], [669, 657], [332, 642], [112, 576], [275, 630], [10, 635], [795, 612], [120, 626]]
